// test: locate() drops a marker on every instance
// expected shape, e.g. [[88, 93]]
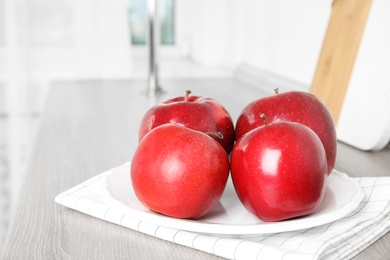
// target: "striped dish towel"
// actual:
[[341, 239]]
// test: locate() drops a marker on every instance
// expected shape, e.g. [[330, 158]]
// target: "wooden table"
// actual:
[[91, 126]]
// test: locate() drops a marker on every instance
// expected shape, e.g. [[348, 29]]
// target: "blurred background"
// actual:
[[43, 41]]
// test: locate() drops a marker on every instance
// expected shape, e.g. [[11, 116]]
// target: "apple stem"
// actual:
[[264, 118], [217, 134], [276, 90], [188, 92]]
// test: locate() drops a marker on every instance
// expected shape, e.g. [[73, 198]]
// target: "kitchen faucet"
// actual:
[[154, 87]]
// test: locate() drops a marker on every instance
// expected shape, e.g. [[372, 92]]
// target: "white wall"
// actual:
[[280, 36], [286, 37], [216, 32], [73, 39]]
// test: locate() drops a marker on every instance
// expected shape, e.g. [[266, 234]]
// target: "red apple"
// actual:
[[279, 171], [179, 172], [293, 106], [199, 113]]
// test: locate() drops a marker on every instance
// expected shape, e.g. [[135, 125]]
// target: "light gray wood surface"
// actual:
[[92, 126]]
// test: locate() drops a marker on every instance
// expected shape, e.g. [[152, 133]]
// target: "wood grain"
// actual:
[[90, 127], [339, 50]]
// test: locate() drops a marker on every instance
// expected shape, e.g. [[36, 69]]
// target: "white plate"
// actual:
[[229, 217]]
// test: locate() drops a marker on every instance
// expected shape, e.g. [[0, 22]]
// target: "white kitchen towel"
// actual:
[[341, 239]]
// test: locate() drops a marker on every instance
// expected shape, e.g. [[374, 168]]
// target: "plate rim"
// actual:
[[239, 229]]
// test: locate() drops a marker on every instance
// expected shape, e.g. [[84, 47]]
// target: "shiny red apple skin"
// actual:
[[179, 172], [294, 106], [279, 171], [199, 113]]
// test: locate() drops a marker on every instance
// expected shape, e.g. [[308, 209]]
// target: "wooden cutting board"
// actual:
[[353, 72]]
